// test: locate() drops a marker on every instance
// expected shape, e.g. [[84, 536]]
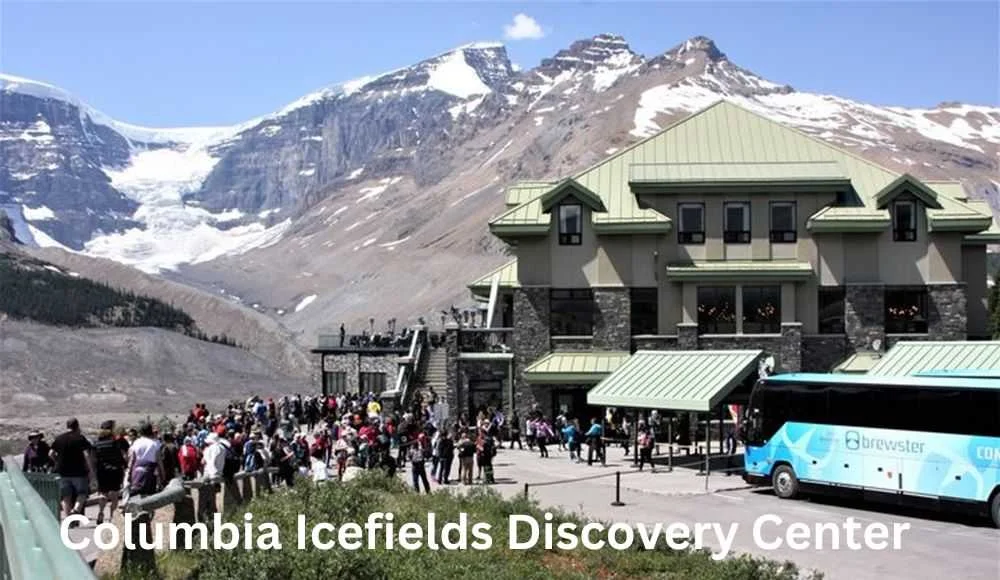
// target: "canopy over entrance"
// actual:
[[574, 367], [679, 380], [909, 357]]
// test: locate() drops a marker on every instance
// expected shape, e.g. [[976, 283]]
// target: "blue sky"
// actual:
[[208, 63]]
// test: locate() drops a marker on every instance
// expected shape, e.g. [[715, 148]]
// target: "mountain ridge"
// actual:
[[372, 198]]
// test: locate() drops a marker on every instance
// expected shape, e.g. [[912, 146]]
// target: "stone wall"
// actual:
[[452, 385], [474, 371], [790, 351], [947, 317], [573, 344], [351, 364], [687, 336], [530, 341], [864, 315], [822, 352], [613, 319], [664, 342]]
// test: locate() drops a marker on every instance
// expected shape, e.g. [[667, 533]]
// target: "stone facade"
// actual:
[[531, 339], [613, 319], [790, 350], [665, 342], [573, 344], [947, 312], [353, 364], [687, 336], [864, 314], [822, 352], [452, 390], [470, 372]]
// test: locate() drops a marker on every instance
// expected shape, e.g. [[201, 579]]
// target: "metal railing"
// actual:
[[485, 340], [368, 343], [408, 369], [29, 534]]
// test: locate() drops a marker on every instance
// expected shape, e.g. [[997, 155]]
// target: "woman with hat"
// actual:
[[36, 454]]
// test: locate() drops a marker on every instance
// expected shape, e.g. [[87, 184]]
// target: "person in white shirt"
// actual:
[[145, 466], [214, 457]]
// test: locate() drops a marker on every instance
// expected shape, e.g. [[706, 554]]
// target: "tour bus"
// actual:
[[895, 438]]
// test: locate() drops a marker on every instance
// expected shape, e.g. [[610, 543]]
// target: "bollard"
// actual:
[[525, 490], [618, 490]]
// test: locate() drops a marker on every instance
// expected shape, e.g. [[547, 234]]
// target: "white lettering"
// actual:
[[64, 532], [850, 526], [649, 539], [678, 536], [726, 540], [613, 536], [513, 522], [268, 538], [797, 536], [452, 528], [897, 535], [99, 533], [349, 536], [410, 536], [176, 529], [585, 536], [300, 528], [484, 541], [758, 539], [877, 536], [220, 528], [318, 541]]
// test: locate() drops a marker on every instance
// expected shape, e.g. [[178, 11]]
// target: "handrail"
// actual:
[[408, 369], [32, 543]]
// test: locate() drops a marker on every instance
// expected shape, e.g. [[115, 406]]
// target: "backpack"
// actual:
[[232, 464]]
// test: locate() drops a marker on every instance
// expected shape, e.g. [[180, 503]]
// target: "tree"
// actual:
[[993, 306]]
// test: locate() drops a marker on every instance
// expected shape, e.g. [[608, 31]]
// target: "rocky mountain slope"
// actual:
[[371, 198]]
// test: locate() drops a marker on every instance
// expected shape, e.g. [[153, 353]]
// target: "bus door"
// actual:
[[881, 470]]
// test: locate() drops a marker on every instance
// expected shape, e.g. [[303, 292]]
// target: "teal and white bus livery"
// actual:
[[898, 438]]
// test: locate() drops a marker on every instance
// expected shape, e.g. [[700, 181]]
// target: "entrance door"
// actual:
[[573, 402], [484, 395]]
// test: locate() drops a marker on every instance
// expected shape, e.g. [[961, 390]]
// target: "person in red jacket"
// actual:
[[189, 458]]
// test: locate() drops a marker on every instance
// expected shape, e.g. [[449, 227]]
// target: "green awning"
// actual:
[[908, 357], [574, 367], [680, 380], [858, 363]]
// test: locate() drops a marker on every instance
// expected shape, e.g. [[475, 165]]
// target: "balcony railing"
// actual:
[[365, 343], [485, 340]]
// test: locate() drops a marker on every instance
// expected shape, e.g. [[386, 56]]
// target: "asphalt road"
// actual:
[[935, 546]]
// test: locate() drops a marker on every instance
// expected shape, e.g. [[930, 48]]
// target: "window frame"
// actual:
[[570, 238], [645, 324], [909, 233], [734, 236], [902, 326], [783, 236], [703, 326], [557, 316], [693, 237], [365, 378], [334, 382], [831, 290], [765, 326]]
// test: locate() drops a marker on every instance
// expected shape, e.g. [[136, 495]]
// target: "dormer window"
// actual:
[[691, 226], [570, 224], [737, 223], [783, 229], [904, 221]]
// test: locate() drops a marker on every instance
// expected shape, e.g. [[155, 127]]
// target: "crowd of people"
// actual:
[[324, 438]]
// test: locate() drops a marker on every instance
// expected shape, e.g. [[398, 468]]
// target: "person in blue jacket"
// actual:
[[595, 442]]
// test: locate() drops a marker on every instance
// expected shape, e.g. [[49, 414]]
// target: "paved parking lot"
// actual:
[[933, 547]]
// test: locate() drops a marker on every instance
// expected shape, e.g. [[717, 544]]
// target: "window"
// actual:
[[904, 221], [831, 309], [717, 310], [372, 382], [783, 228], [761, 309], [737, 223], [645, 311], [906, 310], [570, 225], [572, 312], [691, 229], [334, 383]]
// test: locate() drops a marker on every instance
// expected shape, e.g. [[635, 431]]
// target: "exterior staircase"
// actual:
[[433, 374]]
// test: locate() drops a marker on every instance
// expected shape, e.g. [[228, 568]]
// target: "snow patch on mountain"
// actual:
[[34, 214], [454, 76], [305, 302]]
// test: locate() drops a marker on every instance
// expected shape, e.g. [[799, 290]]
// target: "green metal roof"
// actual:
[[525, 191], [859, 362], [908, 357], [508, 279], [570, 188], [741, 269], [906, 183], [721, 135], [714, 175], [682, 380], [848, 219], [574, 367]]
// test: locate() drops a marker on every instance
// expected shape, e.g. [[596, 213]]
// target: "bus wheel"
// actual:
[[784, 482], [995, 509]]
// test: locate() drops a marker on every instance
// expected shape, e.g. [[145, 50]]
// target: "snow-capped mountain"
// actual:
[[374, 194]]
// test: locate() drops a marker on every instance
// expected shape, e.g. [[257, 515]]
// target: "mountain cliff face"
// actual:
[[371, 198]]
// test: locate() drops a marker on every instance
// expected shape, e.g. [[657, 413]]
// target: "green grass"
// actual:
[[374, 492]]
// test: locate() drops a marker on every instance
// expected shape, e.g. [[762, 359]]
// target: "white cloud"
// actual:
[[523, 27]]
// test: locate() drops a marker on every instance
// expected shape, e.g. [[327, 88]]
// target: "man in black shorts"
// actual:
[[74, 459]]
